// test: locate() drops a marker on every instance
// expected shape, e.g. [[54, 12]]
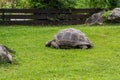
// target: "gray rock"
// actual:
[[95, 19], [5, 56], [114, 16]]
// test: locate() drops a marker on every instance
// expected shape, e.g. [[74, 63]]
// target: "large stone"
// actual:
[[114, 16], [5, 56], [95, 19]]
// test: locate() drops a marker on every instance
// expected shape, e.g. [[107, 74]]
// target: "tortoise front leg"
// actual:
[[55, 44]]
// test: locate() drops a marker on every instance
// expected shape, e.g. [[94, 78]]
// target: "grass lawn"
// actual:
[[34, 61]]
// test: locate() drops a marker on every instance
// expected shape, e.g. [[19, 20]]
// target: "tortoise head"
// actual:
[[48, 43]]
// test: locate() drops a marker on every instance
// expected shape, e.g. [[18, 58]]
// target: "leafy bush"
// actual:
[[14, 4], [113, 3], [52, 3], [22, 4], [104, 3], [5, 4], [105, 15], [98, 3], [118, 3]]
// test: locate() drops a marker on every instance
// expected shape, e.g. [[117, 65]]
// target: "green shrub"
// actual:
[[5, 4], [104, 3], [98, 3], [106, 13], [118, 3], [14, 4], [22, 4], [52, 3], [113, 3]]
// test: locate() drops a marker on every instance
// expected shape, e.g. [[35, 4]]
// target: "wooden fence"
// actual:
[[45, 16]]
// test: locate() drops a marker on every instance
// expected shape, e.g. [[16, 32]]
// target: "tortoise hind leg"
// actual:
[[81, 46], [84, 47]]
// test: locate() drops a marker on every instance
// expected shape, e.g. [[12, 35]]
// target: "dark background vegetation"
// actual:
[[59, 3]]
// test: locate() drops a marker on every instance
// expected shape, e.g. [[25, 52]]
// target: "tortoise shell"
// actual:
[[71, 35]]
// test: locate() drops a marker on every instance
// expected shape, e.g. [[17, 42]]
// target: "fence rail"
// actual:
[[45, 16]]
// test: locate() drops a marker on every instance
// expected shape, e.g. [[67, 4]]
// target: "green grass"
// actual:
[[34, 61]]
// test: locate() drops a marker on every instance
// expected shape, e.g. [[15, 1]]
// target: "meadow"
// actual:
[[34, 61]]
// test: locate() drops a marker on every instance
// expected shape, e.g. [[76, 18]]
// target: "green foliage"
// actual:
[[37, 62], [99, 3], [14, 4], [104, 3], [5, 4], [22, 4], [59, 3], [118, 3], [106, 14], [82, 4], [113, 3], [52, 3]]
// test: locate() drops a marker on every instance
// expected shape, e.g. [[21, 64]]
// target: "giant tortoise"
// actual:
[[5, 55], [70, 38]]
